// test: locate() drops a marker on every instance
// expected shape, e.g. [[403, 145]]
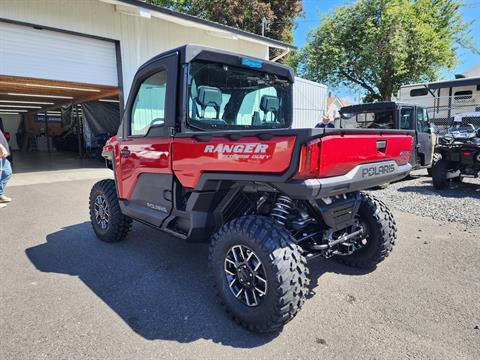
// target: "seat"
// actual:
[[209, 96], [269, 105]]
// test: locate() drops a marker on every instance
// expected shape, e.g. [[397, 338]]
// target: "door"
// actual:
[[45, 54], [145, 177], [407, 123], [424, 137]]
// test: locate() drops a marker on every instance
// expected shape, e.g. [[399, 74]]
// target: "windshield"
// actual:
[[466, 121], [229, 97]]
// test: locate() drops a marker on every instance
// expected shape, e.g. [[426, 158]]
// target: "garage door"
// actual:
[[44, 54]]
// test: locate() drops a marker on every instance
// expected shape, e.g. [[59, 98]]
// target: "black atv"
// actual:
[[457, 154]]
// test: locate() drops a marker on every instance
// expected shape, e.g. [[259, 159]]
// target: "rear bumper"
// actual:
[[361, 177]]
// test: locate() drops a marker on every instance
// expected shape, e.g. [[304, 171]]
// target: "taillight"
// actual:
[[309, 165]]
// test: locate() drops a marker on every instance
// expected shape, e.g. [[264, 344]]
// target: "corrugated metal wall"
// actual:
[[309, 103]]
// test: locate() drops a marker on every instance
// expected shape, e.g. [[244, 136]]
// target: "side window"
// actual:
[[419, 92], [149, 106], [406, 115], [462, 96], [423, 124]]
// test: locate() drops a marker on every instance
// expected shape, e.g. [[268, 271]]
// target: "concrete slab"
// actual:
[[42, 168], [42, 161], [48, 177]]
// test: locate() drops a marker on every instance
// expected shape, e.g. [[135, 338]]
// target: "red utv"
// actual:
[[205, 152]]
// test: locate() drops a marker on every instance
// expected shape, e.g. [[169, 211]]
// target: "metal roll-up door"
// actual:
[[45, 54]]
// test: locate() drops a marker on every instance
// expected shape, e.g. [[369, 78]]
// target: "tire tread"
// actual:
[[439, 172], [289, 265], [385, 222], [120, 224]]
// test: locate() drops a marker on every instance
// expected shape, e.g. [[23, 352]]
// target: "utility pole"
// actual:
[[264, 25]]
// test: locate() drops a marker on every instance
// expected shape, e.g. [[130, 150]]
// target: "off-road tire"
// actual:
[[285, 268], [382, 231], [439, 174], [119, 225], [436, 157]]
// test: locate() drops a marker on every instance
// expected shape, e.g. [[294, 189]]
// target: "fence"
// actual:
[[442, 110]]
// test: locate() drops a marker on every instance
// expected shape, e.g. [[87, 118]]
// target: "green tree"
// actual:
[[379, 45], [247, 15]]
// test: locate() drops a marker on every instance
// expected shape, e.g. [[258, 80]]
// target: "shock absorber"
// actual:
[[281, 209]]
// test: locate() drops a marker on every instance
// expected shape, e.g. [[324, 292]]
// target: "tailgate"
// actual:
[[345, 161], [341, 153]]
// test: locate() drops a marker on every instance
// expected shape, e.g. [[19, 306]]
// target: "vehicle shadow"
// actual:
[[157, 284], [318, 267]]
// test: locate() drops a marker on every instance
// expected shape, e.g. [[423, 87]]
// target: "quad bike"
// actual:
[[457, 154], [205, 152]]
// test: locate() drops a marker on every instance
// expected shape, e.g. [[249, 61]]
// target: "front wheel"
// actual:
[[108, 222], [258, 272], [439, 174], [379, 234]]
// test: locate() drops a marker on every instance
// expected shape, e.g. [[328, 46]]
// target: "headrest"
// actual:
[[209, 96], [269, 103]]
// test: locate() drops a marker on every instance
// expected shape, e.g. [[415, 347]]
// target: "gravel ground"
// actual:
[[460, 203]]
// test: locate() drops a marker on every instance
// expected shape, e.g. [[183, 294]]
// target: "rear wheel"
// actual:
[[259, 273], [108, 222], [380, 233]]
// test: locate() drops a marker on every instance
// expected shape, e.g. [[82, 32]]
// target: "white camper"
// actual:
[[445, 99]]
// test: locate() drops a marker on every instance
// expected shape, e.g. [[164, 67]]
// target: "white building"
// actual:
[[56, 52], [309, 103], [334, 104]]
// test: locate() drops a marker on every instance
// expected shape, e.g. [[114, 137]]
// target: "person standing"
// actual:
[[326, 123], [5, 168]]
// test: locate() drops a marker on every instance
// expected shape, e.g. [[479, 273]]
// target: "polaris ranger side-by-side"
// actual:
[[394, 115], [205, 152]]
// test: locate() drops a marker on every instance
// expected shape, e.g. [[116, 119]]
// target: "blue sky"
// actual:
[[315, 8]]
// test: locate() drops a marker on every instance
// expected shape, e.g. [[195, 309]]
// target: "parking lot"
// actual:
[[66, 295]]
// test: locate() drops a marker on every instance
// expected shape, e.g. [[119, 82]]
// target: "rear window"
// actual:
[[367, 120], [230, 97]]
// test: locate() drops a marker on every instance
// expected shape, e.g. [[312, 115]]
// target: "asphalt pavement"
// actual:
[[66, 295]]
